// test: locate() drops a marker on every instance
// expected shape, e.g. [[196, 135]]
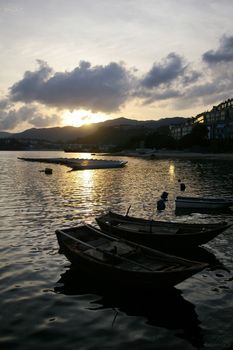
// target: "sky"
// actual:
[[71, 62]]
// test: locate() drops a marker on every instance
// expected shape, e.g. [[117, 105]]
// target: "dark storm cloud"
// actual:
[[223, 54], [98, 88], [165, 73]]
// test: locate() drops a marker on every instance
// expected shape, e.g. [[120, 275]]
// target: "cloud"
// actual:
[[149, 97], [98, 88], [217, 80], [179, 84], [167, 80], [29, 88], [10, 119], [42, 95], [214, 90], [5, 103], [223, 54], [104, 88], [172, 68], [191, 77]]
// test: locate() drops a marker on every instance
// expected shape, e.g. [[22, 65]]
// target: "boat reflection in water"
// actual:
[[201, 254], [210, 211], [164, 308]]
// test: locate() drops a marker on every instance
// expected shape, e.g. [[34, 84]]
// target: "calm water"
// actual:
[[46, 305]]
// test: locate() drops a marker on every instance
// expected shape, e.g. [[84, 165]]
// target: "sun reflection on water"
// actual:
[[172, 170]]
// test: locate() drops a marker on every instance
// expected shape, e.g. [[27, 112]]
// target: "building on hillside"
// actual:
[[219, 122]]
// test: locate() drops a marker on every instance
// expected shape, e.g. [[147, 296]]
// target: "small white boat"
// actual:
[[203, 203], [83, 164], [80, 163]]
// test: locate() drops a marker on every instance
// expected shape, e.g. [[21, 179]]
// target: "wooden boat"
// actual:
[[160, 235], [118, 261], [203, 203], [115, 218]]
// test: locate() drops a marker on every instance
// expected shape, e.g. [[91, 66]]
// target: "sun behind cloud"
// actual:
[[82, 117]]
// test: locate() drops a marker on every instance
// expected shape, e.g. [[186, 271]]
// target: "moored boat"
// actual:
[[171, 237], [80, 163], [113, 260], [96, 164], [203, 203], [115, 218]]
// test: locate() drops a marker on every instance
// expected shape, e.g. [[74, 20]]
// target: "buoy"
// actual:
[[161, 205], [48, 171], [182, 186]]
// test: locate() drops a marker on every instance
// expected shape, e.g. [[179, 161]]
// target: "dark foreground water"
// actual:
[[44, 304]]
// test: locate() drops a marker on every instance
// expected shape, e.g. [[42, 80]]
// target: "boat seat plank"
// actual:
[[96, 254], [152, 265], [115, 249], [97, 242]]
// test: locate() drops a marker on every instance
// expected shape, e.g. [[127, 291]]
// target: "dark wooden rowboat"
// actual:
[[166, 236], [114, 217], [113, 260]]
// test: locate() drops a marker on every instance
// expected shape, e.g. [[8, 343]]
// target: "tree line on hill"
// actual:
[[122, 138], [128, 137]]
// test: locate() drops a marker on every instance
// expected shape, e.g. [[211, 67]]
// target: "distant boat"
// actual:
[[162, 235], [83, 164], [112, 260], [80, 163], [202, 203]]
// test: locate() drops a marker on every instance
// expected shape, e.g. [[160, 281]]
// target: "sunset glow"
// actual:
[[86, 67], [83, 117]]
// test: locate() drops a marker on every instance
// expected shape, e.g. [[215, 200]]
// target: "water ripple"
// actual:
[[44, 304]]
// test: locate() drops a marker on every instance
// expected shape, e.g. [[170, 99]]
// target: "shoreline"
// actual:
[[174, 155]]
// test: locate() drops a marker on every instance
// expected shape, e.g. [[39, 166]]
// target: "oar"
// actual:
[[104, 251], [128, 210]]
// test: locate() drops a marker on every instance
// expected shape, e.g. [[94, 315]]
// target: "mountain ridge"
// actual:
[[71, 133]]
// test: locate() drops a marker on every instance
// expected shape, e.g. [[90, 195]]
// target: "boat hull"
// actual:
[[125, 277], [202, 203], [165, 236], [115, 218], [162, 241]]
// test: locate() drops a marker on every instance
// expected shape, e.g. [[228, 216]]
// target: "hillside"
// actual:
[[4, 134], [68, 134]]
